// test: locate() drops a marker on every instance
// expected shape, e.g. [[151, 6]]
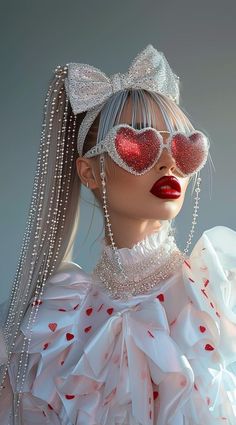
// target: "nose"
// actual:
[[165, 162]]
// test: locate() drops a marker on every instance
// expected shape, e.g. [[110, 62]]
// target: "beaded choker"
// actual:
[[145, 265]]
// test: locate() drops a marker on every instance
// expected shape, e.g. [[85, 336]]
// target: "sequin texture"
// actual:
[[141, 276], [88, 88], [190, 152], [138, 150]]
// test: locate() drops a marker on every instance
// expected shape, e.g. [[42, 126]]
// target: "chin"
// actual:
[[168, 213]]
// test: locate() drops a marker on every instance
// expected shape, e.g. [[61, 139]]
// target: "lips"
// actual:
[[166, 187]]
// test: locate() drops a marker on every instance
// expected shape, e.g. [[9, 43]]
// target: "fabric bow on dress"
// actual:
[[132, 351]]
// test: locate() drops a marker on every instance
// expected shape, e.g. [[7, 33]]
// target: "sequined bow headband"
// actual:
[[88, 88]]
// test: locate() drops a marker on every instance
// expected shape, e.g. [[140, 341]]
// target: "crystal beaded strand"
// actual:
[[57, 212], [26, 238], [10, 321], [115, 251], [50, 240], [61, 138], [195, 214]]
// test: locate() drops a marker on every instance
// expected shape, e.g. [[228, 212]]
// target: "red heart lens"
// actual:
[[190, 152], [138, 150]]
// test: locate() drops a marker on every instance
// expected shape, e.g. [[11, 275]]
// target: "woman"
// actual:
[[149, 336]]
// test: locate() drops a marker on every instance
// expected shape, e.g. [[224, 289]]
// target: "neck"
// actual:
[[143, 265], [129, 231]]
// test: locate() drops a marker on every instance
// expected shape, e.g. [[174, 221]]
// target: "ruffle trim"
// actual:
[[136, 367], [144, 248]]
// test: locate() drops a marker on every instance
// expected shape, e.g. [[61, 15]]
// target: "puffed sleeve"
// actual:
[[206, 328], [210, 276], [53, 334]]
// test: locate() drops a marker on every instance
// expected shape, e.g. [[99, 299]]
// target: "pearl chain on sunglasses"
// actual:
[[108, 224]]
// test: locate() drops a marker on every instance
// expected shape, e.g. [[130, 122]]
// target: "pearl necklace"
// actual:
[[142, 276]]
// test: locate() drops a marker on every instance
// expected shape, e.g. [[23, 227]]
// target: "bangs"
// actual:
[[144, 108], [139, 108]]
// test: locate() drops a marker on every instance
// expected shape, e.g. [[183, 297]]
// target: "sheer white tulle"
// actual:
[[167, 357]]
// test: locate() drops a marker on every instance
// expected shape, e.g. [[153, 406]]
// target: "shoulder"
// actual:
[[210, 272], [218, 239], [64, 294], [214, 250], [69, 278], [50, 326], [69, 273]]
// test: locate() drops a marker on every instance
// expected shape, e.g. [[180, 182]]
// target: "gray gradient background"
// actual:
[[198, 39]]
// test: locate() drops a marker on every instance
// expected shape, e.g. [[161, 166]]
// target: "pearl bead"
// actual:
[[39, 235]]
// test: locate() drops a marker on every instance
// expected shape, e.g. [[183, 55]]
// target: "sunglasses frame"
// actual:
[[108, 145]]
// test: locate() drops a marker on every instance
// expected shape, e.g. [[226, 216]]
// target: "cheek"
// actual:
[[124, 189], [123, 183], [118, 178], [184, 184], [131, 194]]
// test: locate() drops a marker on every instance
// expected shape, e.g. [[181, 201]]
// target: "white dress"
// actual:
[[165, 357]]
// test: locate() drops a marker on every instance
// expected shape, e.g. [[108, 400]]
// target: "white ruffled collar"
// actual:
[[144, 248], [139, 269]]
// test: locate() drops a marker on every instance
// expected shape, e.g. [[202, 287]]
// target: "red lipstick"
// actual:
[[167, 187]]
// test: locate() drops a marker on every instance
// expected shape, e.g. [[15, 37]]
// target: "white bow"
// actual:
[[88, 87], [117, 367]]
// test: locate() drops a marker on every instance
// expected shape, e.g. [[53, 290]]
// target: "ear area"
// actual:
[[85, 170]]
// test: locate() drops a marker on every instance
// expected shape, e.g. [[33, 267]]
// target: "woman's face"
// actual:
[[130, 195], [129, 200]]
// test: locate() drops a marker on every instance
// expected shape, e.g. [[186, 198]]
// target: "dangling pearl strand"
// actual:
[[106, 215], [56, 219], [195, 214], [114, 248]]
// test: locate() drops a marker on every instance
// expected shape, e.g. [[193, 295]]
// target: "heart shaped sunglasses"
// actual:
[[137, 151]]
